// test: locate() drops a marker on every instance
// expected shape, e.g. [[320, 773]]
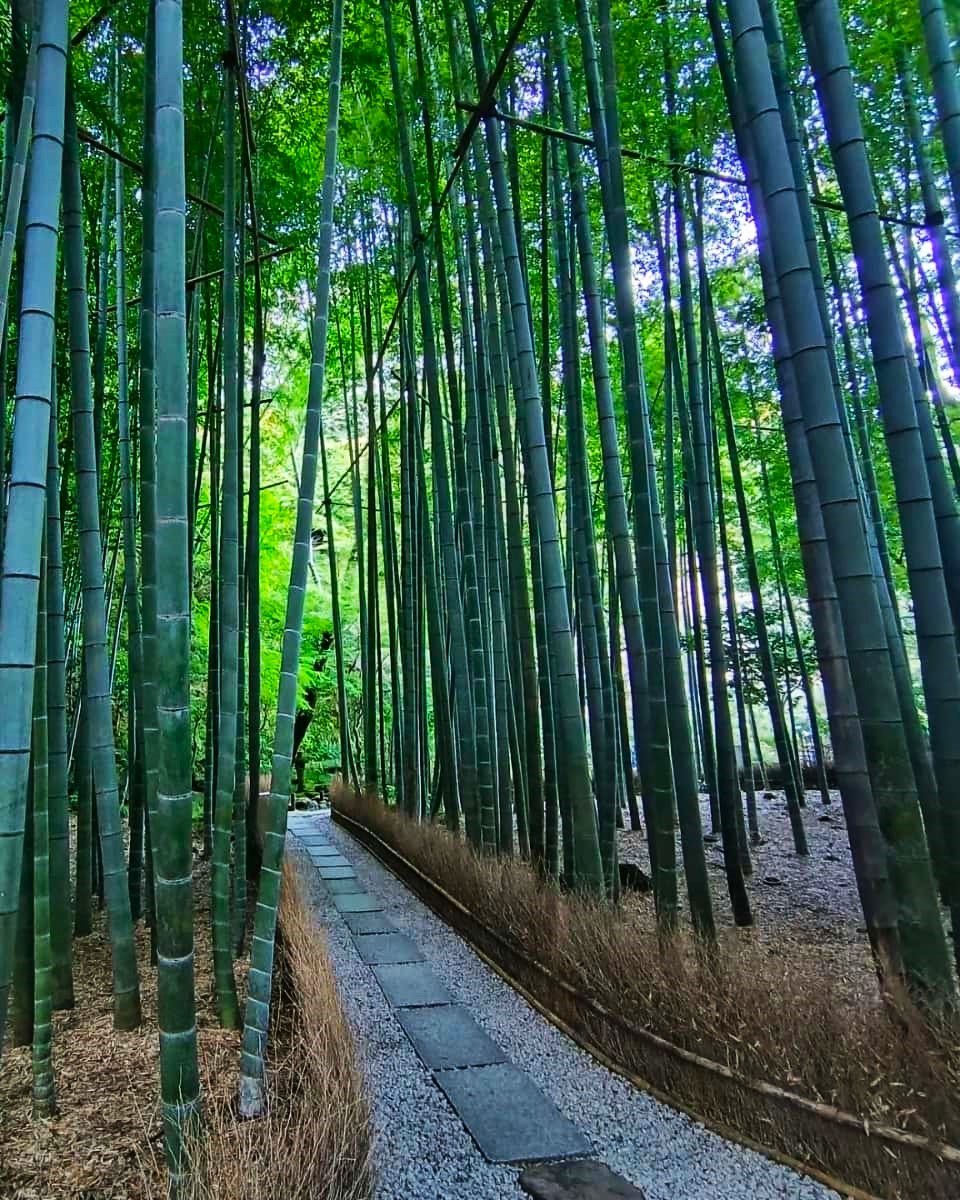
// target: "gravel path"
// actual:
[[424, 1152]]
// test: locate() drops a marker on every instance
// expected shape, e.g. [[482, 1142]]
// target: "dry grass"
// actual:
[[315, 1139], [105, 1142], [771, 1010]]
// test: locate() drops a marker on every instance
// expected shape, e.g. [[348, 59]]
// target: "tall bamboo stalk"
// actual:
[[228, 587], [61, 925], [172, 848], [43, 984], [97, 694], [20, 573], [257, 1012], [846, 540]]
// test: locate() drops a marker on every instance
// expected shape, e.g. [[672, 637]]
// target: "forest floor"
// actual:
[[106, 1141], [809, 901]]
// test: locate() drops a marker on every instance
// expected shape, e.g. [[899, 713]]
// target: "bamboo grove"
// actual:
[[619, 355]]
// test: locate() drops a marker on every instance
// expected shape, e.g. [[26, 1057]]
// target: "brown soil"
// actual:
[[106, 1142]]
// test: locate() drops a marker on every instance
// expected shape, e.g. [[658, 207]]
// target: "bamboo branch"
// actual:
[[579, 139], [95, 144], [207, 275], [94, 23]]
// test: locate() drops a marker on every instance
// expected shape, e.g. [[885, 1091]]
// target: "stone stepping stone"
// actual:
[[321, 848], [447, 1036], [577, 1181], [411, 985], [343, 887], [368, 922], [508, 1117], [376, 948], [359, 902], [336, 872], [328, 860]]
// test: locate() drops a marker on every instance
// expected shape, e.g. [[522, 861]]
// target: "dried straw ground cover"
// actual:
[[770, 1009], [106, 1141]]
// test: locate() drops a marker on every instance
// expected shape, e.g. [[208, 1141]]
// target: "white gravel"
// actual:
[[423, 1151]]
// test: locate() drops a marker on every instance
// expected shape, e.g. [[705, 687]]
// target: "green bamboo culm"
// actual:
[[14, 174], [946, 88], [449, 567], [148, 448], [229, 592], [923, 944], [213, 625], [257, 1014], [43, 1087], [137, 786], [172, 825], [61, 914], [21, 1004], [97, 692], [100, 340], [588, 869], [18, 170], [345, 751], [823, 31], [82, 907], [20, 575]]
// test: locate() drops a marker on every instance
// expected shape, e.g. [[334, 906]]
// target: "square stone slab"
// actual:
[[359, 902], [343, 887], [411, 985], [328, 860], [336, 872], [378, 948], [447, 1036], [508, 1117], [577, 1181], [368, 922], [321, 847]]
